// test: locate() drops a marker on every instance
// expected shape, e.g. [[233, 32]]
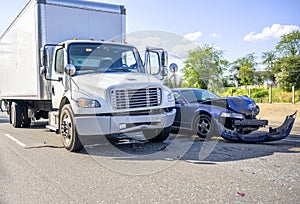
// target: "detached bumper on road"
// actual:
[[258, 136]]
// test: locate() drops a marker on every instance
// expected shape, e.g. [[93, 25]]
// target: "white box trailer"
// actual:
[[50, 21], [68, 61]]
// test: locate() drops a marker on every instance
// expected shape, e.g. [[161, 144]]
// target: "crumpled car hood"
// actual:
[[239, 104]]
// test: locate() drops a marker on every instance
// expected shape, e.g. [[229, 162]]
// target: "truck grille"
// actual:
[[135, 98]]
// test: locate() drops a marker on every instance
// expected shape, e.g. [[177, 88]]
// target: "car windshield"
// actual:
[[93, 57], [193, 95]]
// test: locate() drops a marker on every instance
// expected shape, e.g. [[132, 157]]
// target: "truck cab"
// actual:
[[102, 88]]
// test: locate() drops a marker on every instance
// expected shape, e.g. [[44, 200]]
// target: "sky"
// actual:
[[237, 27]]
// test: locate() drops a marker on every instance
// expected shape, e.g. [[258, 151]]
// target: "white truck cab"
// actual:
[[101, 88]]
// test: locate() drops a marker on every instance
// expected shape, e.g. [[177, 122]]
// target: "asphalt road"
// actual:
[[34, 168]]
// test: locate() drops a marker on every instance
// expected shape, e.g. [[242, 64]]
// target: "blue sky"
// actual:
[[238, 27]]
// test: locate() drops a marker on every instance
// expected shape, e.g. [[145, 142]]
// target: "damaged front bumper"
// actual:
[[257, 136]]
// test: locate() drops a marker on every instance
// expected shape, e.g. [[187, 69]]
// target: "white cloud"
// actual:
[[275, 31], [193, 36], [215, 35]]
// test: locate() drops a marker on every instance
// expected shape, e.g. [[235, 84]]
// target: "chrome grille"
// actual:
[[135, 98]]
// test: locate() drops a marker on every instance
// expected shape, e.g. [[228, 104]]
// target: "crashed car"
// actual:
[[233, 117]]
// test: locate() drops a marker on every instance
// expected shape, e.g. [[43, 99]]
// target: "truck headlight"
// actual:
[[232, 115], [87, 103], [171, 97]]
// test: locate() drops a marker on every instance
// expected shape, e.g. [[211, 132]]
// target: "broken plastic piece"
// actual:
[[274, 134]]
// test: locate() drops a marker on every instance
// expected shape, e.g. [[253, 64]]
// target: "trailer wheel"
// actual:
[[16, 115], [68, 132], [157, 135]]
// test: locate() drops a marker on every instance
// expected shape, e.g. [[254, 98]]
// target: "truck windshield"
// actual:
[[87, 57]]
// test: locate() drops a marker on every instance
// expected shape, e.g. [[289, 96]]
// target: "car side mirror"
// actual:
[[178, 101]]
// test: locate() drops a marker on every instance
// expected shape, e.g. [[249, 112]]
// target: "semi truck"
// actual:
[[68, 62]]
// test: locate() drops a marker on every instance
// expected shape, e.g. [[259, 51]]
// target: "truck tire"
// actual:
[[16, 115], [157, 135], [26, 121], [68, 132]]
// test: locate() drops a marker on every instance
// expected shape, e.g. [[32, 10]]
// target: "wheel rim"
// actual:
[[66, 128], [204, 126]]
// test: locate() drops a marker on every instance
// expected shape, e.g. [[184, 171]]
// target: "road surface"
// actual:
[[34, 168]]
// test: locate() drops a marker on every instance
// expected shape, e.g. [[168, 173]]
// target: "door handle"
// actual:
[[53, 91]]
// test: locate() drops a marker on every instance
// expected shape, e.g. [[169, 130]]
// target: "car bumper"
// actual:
[[274, 134], [105, 125]]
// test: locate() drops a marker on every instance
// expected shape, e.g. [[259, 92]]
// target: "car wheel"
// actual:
[[157, 135], [68, 132], [203, 125]]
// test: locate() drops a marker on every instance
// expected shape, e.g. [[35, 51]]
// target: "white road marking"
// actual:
[[16, 140]]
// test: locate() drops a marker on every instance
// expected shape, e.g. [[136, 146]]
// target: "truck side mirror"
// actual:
[[173, 68], [45, 57], [70, 69], [164, 58], [164, 72]]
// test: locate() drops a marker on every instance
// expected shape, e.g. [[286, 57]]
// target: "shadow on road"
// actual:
[[189, 148], [180, 147]]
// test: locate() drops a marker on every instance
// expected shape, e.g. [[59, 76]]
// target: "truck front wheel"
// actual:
[[157, 135], [16, 115], [68, 132]]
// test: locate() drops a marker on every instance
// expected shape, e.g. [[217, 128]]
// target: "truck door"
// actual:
[[156, 60], [57, 87]]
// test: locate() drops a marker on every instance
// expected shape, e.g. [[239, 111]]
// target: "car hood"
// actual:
[[239, 104]]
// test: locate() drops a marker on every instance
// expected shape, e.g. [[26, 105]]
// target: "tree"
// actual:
[[289, 74], [287, 66], [289, 45], [204, 68], [269, 59], [244, 69]]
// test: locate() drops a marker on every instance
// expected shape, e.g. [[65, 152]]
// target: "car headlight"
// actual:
[[171, 97], [87, 103], [255, 109], [232, 115]]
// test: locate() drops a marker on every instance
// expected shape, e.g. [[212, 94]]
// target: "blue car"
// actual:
[[233, 117]]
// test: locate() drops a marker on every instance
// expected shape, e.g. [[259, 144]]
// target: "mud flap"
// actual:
[[274, 134]]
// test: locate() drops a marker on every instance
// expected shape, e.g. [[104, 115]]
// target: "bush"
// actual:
[[261, 95]]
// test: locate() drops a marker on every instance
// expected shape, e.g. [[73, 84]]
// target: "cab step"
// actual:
[[53, 121]]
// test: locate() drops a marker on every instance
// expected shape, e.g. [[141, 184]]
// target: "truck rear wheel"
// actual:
[[157, 135], [16, 115], [68, 132]]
